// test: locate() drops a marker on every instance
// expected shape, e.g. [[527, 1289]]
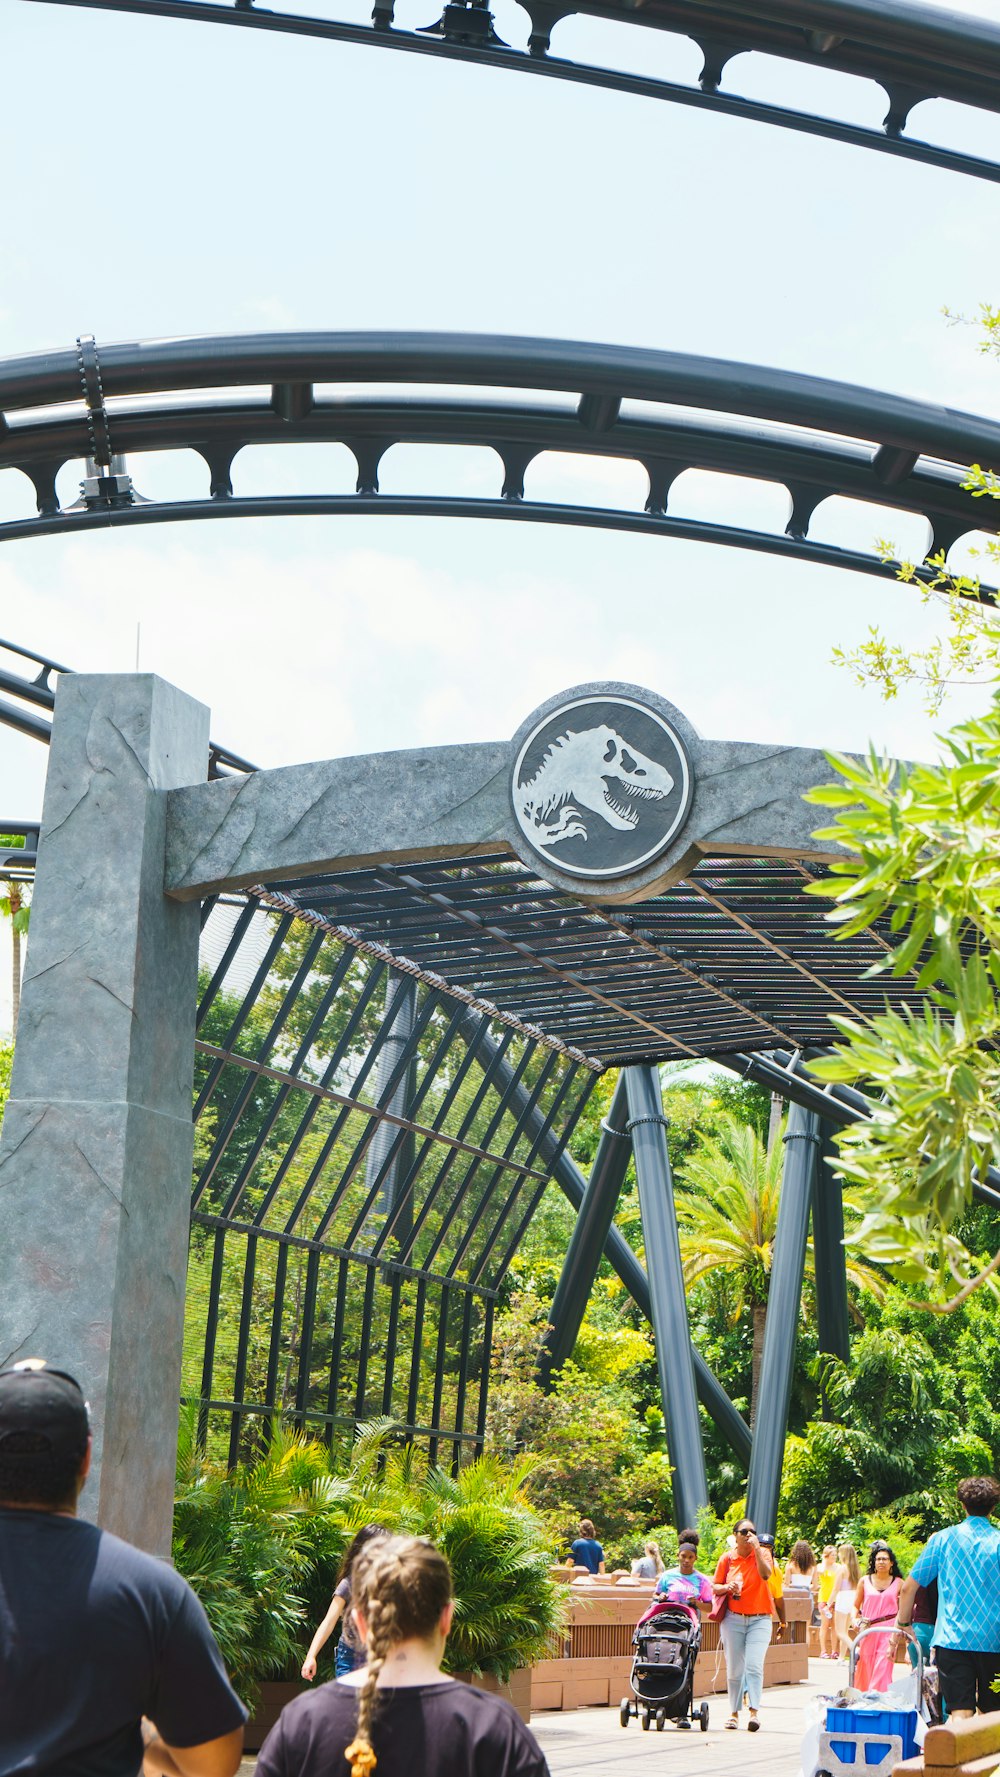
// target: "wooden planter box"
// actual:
[[593, 1660]]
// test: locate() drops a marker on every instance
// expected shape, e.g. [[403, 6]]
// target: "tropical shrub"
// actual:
[[261, 1546]]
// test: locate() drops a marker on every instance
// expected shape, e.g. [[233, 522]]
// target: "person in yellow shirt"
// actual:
[[827, 1577]]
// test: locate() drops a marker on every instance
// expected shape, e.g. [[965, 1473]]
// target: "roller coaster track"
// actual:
[[913, 53], [666, 411]]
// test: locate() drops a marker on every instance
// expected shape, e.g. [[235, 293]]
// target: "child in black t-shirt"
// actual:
[[401, 1712]]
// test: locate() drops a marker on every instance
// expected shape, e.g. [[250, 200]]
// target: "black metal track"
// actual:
[[913, 53], [812, 437]]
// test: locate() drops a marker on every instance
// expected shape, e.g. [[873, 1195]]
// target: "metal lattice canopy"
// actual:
[[913, 53], [519, 398]]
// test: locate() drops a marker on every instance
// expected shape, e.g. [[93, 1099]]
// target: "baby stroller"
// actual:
[[666, 1644]]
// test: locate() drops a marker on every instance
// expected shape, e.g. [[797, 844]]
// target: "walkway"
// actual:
[[593, 1743]]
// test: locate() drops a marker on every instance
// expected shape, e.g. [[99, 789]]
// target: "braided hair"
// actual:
[[401, 1584]]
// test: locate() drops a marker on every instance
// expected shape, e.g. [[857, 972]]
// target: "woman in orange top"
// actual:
[[746, 1627]]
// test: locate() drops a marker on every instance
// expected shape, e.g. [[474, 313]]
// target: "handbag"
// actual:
[[721, 1605]]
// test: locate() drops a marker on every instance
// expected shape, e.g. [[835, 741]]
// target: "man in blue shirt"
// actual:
[[587, 1551], [965, 1562]]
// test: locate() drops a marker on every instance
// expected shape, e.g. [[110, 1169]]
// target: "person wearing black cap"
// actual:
[[106, 1655]]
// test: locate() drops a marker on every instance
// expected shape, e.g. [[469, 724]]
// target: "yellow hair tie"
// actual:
[[362, 1758]]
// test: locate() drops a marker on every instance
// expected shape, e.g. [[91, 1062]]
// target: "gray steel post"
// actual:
[[833, 1320], [647, 1126], [397, 1026], [622, 1259], [781, 1332], [589, 1237], [95, 1160]]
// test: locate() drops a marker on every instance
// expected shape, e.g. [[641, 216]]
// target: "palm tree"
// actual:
[[727, 1213], [14, 905]]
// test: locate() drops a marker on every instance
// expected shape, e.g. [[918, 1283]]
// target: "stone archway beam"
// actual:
[[452, 802]]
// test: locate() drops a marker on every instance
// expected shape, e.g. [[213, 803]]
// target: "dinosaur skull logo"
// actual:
[[600, 786]]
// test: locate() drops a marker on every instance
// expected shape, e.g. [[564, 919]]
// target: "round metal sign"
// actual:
[[601, 785]]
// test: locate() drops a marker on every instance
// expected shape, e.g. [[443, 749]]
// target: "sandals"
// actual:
[[733, 1722], [753, 1725]]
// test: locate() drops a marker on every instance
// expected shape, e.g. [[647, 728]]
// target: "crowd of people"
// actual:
[[107, 1660]]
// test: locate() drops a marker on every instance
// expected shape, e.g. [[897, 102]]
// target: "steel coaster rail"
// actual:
[[912, 52], [807, 435]]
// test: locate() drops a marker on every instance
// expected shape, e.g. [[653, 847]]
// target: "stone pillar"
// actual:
[[96, 1153]]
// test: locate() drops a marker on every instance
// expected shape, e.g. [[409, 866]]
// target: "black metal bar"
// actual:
[[225, 962], [589, 1237], [484, 1375], [364, 1348], [442, 1350], [277, 1314], [463, 1381], [301, 1243], [391, 1337], [306, 1333], [338, 1336], [516, 1193], [417, 1352], [832, 1317], [242, 1346], [646, 1125], [211, 1327], [783, 1306]]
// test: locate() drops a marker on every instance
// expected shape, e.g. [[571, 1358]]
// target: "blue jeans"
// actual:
[[746, 1640], [348, 1659]]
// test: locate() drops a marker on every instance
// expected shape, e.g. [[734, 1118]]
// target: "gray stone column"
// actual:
[[95, 1159]]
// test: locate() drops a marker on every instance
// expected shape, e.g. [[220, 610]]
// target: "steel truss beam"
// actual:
[[783, 1303], [912, 52], [567, 1175], [647, 1127], [813, 438], [589, 1238]]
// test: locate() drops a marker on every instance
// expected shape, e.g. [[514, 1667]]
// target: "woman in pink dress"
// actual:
[[876, 1601]]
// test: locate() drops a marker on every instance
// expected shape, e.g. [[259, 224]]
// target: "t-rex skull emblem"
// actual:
[[594, 770]]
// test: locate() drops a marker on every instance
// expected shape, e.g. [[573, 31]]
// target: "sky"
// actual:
[[164, 178]]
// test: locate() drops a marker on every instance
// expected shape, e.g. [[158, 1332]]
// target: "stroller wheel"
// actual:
[[625, 1711], [703, 1718], [661, 1720], [646, 1719]]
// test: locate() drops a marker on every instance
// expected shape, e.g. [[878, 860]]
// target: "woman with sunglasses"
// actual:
[[742, 1579]]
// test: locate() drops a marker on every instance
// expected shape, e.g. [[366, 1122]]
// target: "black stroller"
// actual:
[[662, 1677]]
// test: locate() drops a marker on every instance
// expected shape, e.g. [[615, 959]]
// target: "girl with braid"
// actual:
[[401, 1713]]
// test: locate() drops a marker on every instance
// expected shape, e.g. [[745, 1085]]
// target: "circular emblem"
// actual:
[[600, 786]]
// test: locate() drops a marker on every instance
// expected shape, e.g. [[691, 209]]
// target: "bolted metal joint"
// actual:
[[111, 487]]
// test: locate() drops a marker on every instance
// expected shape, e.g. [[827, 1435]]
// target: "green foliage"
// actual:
[[249, 1541], [6, 1063], [922, 846], [261, 1546]]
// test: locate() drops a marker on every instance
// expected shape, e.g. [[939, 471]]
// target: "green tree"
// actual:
[[728, 1219]]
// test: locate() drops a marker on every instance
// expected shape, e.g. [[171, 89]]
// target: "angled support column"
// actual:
[[95, 1161], [397, 1027], [619, 1254], [647, 1126], [833, 1319], [784, 1298], [589, 1238]]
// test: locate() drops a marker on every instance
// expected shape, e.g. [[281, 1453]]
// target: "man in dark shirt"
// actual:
[[586, 1550], [105, 1653]]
